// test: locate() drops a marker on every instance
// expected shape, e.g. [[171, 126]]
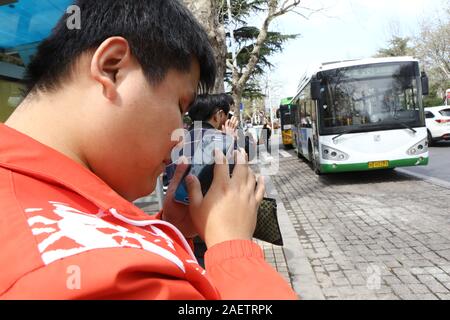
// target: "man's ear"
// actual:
[[112, 56], [216, 118]]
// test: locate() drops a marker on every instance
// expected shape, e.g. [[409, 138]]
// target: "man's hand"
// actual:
[[228, 211], [177, 213], [230, 127]]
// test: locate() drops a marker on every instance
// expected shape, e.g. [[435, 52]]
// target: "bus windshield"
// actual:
[[286, 116], [370, 97]]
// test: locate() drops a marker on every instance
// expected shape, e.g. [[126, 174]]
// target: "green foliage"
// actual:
[[240, 9], [253, 90], [431, 47], [187, 120], [397, 47], [434, 99], [246, 37]]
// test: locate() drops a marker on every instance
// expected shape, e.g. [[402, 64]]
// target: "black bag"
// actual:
[[267, 226]]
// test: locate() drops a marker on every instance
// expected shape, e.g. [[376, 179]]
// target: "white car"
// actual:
[[438, 123]]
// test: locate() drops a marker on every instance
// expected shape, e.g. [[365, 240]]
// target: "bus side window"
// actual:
[[314, 111], [303, 115], [308, 109], [295, 113]]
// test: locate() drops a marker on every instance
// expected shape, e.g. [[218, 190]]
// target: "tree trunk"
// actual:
[[206, 12], [239, 81]]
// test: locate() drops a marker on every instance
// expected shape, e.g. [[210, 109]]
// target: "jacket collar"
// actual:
[[205, 126], [20, 153]]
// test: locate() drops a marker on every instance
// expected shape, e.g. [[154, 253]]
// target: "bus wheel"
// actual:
[[313, 162], [316, 168]]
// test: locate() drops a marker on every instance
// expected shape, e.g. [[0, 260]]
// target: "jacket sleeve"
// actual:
[[239, 272]]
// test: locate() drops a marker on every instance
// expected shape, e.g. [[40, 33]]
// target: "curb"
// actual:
[[301, 273], [435, 181]]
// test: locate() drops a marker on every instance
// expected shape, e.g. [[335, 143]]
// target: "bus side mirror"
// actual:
[[315, 89], [425, 84]]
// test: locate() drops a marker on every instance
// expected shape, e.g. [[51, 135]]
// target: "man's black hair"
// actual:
[[206, 105], [162, 34]]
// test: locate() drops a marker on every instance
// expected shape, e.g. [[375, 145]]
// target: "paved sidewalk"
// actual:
[[290, 260], [376, 235]]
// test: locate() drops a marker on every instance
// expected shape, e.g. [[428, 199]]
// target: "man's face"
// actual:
[[223, 117], [135, 143]]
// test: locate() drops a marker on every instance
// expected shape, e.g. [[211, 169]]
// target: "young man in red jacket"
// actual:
[[92, 135]]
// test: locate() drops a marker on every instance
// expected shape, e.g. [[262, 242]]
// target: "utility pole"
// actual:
[[269, 102]]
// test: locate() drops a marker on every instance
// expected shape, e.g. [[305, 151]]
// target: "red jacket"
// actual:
[[65, 234]]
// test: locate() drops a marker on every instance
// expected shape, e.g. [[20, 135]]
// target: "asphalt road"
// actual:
[[439, 167]]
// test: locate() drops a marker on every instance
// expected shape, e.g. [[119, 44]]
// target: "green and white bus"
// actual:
[[285, 114], [362, 115]]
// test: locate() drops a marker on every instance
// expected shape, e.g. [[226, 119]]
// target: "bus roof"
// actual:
[[326, 66], [351, 63], [285, 101]]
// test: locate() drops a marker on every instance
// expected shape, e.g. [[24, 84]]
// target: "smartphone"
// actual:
[[202, 165]]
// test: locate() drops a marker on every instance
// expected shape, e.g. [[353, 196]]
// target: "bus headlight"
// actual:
[[329, 153], [419, 148]]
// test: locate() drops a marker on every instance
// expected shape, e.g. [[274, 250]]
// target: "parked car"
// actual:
[[438, 123]]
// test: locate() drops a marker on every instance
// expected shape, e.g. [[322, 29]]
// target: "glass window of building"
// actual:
[[11, 88]]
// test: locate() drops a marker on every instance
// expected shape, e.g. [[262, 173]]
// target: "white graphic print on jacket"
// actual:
[[89, 232]]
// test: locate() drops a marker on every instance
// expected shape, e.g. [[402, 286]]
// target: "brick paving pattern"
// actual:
[[274, 255], [377, 235]]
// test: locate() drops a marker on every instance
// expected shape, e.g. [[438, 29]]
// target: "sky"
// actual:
[[345, 29]]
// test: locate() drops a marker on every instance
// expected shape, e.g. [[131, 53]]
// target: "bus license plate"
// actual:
[[378, 164]]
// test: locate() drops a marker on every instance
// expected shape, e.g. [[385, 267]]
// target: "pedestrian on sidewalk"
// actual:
[[209, 113], [213, 112], [92, 135], [266, 134]]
